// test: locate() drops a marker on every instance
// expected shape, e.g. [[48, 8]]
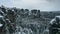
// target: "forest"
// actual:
[[25, 21]]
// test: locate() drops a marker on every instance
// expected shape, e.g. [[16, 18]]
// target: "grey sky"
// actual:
[[43, 5]]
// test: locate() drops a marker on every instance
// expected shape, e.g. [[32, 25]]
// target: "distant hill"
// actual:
[[51, 14]]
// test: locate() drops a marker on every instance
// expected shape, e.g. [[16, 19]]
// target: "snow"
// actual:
[[52, 21], [47, 30], [1, 25], [57, 17], [19, 33], [1, 16], [2, 11], [12, 10]]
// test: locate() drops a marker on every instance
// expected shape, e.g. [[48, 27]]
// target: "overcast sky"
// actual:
[[43, 5]]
